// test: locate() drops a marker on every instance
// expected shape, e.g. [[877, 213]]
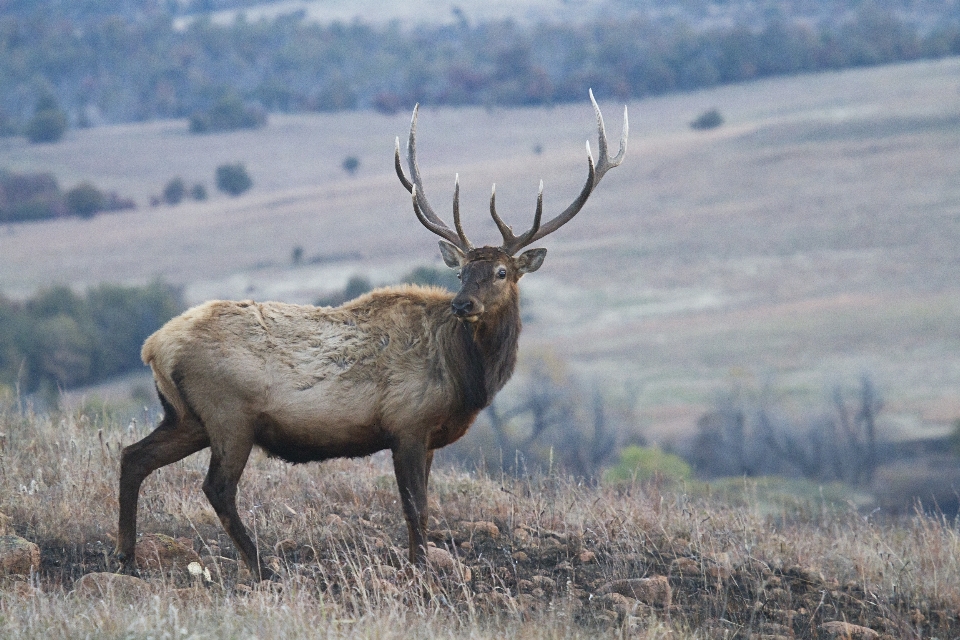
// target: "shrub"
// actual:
[[198, 192], [350, 164], [432, 276], [46, 126], [228, 114], [174, 191], [707, 120], [645, 463], [233, 179], [85, 200]]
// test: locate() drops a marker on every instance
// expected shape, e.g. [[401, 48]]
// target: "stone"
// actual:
[[848, 631], [159, 552], [18, 556], [443, 562], [111, 585], [653, 591], [482, 528]]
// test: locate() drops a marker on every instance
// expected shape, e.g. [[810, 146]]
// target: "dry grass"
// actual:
[[736, 567], [809, 239]]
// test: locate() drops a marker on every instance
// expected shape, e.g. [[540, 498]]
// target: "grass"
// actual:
[[740, 559]]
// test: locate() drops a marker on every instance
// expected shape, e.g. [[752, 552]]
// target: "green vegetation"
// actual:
[[48, 123], [129, 65], [641, 464], [174, 191], [37, 196], [229, 113], [58, 339], [707, 120], [233, 179]]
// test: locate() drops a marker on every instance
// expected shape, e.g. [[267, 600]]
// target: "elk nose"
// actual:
[[462, 308]]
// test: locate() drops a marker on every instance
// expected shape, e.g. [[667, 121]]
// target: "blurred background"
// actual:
[[767, 287]]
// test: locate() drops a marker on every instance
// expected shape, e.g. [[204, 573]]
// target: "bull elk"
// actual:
[[403, 368]]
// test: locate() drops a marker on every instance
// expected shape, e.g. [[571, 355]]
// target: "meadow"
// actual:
[[538, 557], [808, 240]]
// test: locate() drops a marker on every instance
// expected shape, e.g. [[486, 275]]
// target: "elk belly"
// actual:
[[317, 426]]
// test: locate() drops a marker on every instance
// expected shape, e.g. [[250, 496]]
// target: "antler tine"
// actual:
[[421, 206], [456, 215], [512, 243]]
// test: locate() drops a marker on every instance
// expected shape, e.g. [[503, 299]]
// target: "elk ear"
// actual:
[[452, 256], [530, 261]]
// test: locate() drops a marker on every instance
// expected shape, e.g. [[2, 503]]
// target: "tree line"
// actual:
[[134, 66], [59, 339]]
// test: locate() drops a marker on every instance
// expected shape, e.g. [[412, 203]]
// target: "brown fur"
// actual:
[[394, 369]]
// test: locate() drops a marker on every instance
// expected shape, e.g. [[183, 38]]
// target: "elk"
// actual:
[[403, 368]]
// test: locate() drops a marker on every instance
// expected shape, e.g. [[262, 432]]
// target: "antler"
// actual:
[[513, 243], [421, 207]]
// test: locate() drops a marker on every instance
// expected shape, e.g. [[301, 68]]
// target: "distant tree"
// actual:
[[710, 119], [350, 164], [48, 123], [227, 114], [432, 276], [85, 200], [296, 256], [198, 192], [174, 191], [233, 179]]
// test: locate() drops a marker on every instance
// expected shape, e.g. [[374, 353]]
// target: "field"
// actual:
[[538, 558], [809, 239]]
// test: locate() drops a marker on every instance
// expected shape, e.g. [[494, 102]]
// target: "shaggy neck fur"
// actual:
[[483, 355]]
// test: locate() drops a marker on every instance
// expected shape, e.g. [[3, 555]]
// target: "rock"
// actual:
[[848, 631], [652, 591], [544, 583], [18, 556], [111, 585], [445, 564], [192, 595], [159, 552], [482, 528], [685, 567]]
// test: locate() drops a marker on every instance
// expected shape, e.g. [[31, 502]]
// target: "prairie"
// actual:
[[810, 238]]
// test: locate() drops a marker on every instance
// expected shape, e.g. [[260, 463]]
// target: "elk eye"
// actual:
[[501, 273]]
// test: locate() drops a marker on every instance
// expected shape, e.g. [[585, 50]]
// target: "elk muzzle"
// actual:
[[466, 307]]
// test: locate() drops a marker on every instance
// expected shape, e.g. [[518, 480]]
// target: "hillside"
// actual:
[[809, 239], [538, 558]]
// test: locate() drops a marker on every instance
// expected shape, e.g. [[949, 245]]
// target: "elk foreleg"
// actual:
[[220, 487], [410, 463], [172, 440]]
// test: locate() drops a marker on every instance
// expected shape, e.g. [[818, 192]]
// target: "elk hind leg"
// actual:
[[220, 487], [174, 438]]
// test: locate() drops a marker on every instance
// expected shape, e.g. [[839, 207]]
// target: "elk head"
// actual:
[[489, 275]]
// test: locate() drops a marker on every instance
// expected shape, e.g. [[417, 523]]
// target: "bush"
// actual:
[[198, 192], [174, 191], [228, 114], [46, 126], [233, 179], [350, 164], [644, 463], [85, 200], [432, 276], [60, 339], [707, 120]]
